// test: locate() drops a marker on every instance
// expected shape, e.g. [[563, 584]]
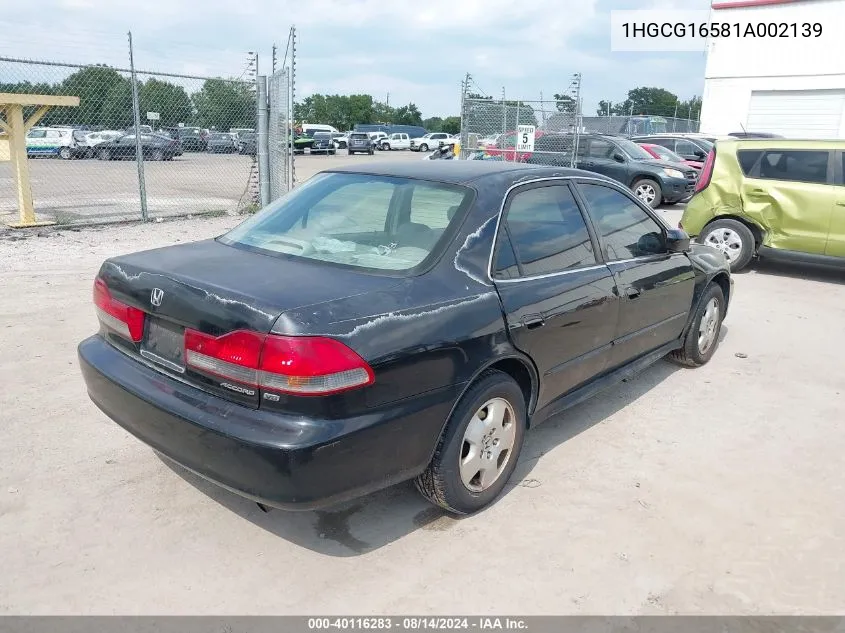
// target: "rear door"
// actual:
[[836, 235], [656, 287], [560, 301], [792, 195]]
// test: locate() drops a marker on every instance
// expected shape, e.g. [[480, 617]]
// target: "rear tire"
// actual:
[[423, 147], [65, 153], [158, 154], [734, 239], [648, 191], [104, 154], [480, 447], [702, 339]]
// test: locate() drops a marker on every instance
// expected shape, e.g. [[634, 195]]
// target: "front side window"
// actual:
[[795, 165], [379, 223], [627, 231], [36, 134], [547, 231]]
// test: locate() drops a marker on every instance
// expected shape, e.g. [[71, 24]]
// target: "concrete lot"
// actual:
[[84, 191], [694, 491]]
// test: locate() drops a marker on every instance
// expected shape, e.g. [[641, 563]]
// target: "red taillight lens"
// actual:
[[124, 320], [706, 171], [302, 365], [234, 355], [311, 365]]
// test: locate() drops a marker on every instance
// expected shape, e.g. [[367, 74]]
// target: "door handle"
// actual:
[[532, 321], [757, 192], [631, 292]]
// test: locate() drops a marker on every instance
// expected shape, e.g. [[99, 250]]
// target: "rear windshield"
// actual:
[[359, 135], [377, 223]]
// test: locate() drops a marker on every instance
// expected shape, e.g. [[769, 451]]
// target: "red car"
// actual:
[[664, 153], [506, 147]]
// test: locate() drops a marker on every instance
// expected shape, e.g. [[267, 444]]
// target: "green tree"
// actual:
[[408, 115], [223, 104], [644, 100], [383, 113], [605, 108], [171, 102], [451, 125], [433, 124], [690, 109], [92, 85], [116, 111], [565, 104]]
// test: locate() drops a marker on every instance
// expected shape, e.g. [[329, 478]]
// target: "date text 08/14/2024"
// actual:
[[417, 623], [722, 29]]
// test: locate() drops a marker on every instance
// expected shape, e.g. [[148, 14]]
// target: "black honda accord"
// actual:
[[392, 322]]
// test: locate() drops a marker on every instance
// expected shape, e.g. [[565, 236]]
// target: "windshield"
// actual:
[[357, 220], [664, 153], [634, 151]]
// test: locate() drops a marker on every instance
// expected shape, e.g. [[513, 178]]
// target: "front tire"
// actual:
[[734, 239], [423, 147], [648, 191], [701, 341], [105, 154], [65, 153], [158, 155], [479, 449]]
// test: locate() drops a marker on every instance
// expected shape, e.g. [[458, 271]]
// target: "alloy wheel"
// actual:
[[709, 326], [487, 444], [646, 193], [726, 240]]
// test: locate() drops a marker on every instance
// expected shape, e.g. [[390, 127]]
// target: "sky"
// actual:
[[414, 50]]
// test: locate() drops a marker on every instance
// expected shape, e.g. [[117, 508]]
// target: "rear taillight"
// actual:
[[706, 171], [302, 365], [122, 319]]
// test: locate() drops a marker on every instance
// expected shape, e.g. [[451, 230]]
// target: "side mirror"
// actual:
[[619, 158], [677, 241], [700, 154]]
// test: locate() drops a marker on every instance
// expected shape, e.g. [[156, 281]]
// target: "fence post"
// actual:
[[262, 140], [139, 152]]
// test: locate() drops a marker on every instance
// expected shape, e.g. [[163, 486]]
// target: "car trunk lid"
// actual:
[[216, 289]]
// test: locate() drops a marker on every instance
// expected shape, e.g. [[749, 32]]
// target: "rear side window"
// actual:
[[685, 148], [795, 165], [600, 149], [547, 231], [747, 158], [434, 206], [626, 230]]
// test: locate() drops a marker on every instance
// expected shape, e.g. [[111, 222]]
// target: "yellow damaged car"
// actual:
[[774, 198]]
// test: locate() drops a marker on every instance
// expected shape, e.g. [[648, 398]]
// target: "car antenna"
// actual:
[[744, 131]]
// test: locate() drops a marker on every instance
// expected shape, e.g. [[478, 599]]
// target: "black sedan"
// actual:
[[247, 143], [153, 147], [393, 322], [222, 143]]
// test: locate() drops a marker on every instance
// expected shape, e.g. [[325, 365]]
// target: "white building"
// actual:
[[789, 86]]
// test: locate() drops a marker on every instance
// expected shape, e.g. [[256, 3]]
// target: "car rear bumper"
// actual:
[[283, 461]]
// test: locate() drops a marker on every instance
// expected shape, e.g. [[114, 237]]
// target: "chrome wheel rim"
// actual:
[[709, 326], [646, 193], [726, 240], [488, 444]]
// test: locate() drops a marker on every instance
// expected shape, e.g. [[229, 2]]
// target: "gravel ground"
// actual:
[[681, 491]]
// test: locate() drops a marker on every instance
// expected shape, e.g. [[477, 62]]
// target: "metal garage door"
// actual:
[[797, 113]]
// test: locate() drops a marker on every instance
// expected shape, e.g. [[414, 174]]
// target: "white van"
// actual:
[[308, 129]]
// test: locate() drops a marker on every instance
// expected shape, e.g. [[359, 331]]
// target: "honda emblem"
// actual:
[[156, 296]]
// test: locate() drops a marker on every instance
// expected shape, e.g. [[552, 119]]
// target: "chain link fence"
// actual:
[[639, 125], [280, 163], [196, 138], [490, 130]]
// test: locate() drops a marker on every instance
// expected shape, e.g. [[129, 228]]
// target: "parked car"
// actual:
[[248, 144], [193, 139], [377, 138], [340, 139], [754, 135], [301, 143], [178, 151], [488, 141], [773, 198], [654, 181], [432, 140], [93, 139], [323, 144], [430, 314], [153, 147], [222, 143], [505, 147], [687, 146], [664, 153], [361, 143], [47, 141], [397, 140], [310, 129]]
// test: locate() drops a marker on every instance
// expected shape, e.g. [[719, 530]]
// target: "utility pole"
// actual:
[[275, 59], [387, 103]]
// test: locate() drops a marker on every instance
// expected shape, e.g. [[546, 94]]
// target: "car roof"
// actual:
[[463, 171], [781, 143]]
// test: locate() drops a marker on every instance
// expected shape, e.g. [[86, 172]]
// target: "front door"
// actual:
[[560, 303], [656, 287], [791, 194], [598, 157], [836, 234]]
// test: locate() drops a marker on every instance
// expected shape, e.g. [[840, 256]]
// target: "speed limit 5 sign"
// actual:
[[525, 138]]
